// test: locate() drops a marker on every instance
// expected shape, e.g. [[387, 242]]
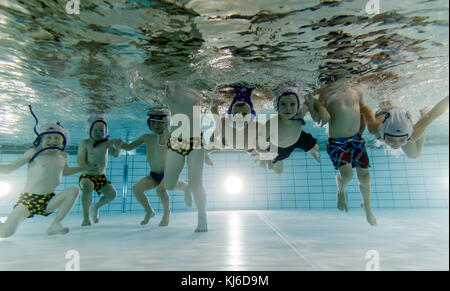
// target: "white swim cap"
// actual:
[[397, 123], [93, 119], [288, 91], [56, 127]]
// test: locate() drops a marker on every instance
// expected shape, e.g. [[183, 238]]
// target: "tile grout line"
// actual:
[[285, 239]]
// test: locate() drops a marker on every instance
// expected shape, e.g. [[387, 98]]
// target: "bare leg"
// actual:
[[109, 194], [195, 166], [86, 199], [208, 160], [15, 218], [364, 188], [172, 169], [181, 185], [344, 177], [162, 193], [64, 203], [314, 152], [277, 167], [146, 183]]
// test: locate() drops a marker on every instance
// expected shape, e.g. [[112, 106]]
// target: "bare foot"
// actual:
[[315, 155], [86, 222], [165, 220], [371, 219], [341, 199], [94, 214], [57, 228], [324, 119], [342, 202], [202, 225], [147, 217]]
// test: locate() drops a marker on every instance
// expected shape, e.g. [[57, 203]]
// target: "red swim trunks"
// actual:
[[351, 150]]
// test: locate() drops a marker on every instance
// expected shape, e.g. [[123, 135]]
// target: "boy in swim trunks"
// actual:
[[394, 126], [290, 122], [47, 163], [185, 143], [94, 151], [156, 144], [346, 147]]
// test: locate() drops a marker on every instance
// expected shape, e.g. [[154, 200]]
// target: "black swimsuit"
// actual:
[[305, 142]]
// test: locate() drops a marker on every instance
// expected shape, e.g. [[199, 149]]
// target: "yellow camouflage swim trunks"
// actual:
[[185, 146], [35, 203], [99, 181]]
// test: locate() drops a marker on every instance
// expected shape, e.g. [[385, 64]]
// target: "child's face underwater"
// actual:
[[396, 142], [241, 112], [158, 126], [52, 140], [98, 131], [287, 106]]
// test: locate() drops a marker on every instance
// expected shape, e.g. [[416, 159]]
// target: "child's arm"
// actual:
[[114, 145], [309, 104], [413, 149], [175, 90], [135, 144], [369, 116], [25, 158], [73, 170], [362, 124], [322, 111], [304, 109], [427, 119]]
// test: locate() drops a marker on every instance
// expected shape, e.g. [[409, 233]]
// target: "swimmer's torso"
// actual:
[[181, 100], [45, 172], [96, 156], [345, 116], [156, 151], [288, 134]]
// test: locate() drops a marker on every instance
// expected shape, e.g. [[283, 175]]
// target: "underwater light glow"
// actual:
[[233, 185], [4, 188]]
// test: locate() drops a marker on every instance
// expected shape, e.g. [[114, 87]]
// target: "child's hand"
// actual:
[[324, 118], [117, 142], [309, 100]]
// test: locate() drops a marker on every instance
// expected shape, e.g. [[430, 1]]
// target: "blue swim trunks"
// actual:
[[157, 176]]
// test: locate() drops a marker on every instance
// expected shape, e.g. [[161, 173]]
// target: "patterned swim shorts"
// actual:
[[351, 150], [185, 146], [99, 181], [35, 203]]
